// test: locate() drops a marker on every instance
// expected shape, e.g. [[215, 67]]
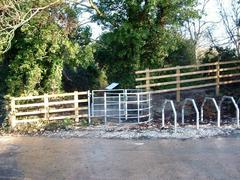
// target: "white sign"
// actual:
[[112, 86]]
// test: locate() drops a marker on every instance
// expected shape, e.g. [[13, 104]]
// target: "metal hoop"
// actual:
[[195, 107], [216, 106], [174, 112], [234, 103], [238, 102]]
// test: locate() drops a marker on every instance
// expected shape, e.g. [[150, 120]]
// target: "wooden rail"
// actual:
[[176, 79], [50, 107]]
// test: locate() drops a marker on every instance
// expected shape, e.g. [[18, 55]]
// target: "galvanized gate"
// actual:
[[121, 105]]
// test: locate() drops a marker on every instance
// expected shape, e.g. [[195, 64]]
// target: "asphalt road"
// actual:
[[54, 158]]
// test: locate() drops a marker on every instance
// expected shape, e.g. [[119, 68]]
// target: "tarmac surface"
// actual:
[[82, 158]]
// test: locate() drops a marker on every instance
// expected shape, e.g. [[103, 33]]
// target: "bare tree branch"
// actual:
[[230, 20], [13, 16], [93, 5]]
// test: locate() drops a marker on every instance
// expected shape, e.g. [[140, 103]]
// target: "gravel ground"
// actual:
[[150, 130], [137, 132], [182, 133]]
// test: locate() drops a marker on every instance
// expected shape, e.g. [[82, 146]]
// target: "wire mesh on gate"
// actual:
[[121, 105]]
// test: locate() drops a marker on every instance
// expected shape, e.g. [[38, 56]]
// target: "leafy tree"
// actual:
[[141, 33], [39, 51], [80, 78], [84, 74], [185, 54], [217, 53]]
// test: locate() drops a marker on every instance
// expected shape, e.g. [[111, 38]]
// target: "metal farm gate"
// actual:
[[121, 105]]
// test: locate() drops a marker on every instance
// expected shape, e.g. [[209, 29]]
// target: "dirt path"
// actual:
[[81, 158]]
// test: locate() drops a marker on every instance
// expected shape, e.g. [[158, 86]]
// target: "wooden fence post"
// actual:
[[178, 86], [217, 78], [76, 106], [147, 79], [46, 107], [12, 117]]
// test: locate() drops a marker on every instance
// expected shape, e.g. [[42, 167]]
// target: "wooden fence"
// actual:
[[176, 79], [50, 107]]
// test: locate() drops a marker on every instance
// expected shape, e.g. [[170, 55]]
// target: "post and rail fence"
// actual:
[[123, 105], [179, 78], [50, 107], [77, 105]]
